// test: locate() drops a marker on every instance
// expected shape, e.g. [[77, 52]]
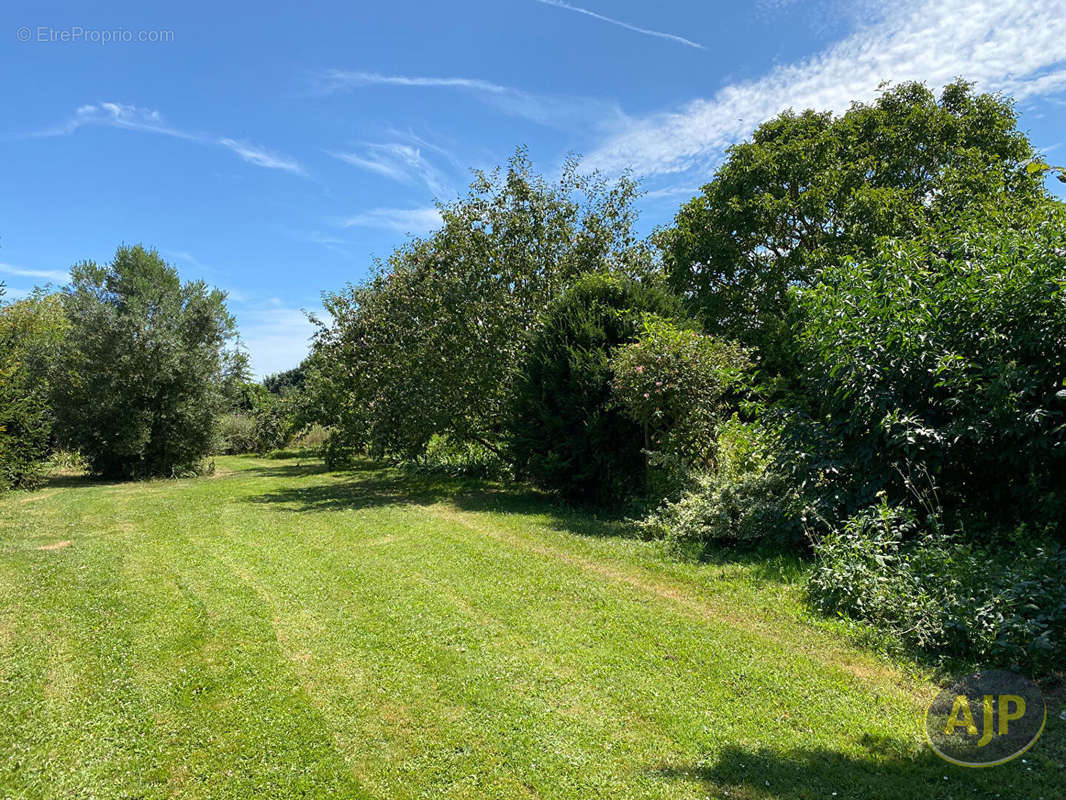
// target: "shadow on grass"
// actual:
[[301, 469], [890, 771], [369, 485], [73, 480], [362, 485]]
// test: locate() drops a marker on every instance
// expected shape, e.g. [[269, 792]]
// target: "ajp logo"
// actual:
[[985, 719]]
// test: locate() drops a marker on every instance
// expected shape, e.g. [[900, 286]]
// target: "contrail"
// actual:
[[626, 25]]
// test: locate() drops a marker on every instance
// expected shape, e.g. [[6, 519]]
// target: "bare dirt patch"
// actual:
[[56, 545]]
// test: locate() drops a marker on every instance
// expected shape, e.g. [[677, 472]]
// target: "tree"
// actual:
[[283, 383], [31, 331], [939, 364], [566, 433], [431, 344], [147, 367], [809, 189]]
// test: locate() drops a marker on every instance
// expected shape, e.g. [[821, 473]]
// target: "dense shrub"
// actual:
[[313, 437], [146, 370], [678, 385], [265, 427], [31, 331], [237, 433], [741, 499], [945, 357], [567, 434], [273, 426], [993, 605]]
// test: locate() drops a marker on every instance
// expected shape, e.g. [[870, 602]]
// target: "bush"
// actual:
[[566, 433], [30, 332], [237, 433], [267, 427], [446, 456], [946, 356], [314, 437], [742, 500], [995, 606], [678, 385], [146, 368]]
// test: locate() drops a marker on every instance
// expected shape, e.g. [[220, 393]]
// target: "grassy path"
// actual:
[[281, 631]]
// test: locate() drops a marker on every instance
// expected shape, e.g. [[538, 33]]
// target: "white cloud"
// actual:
[[336, 80], [335, 244], [262, 157], [669, 192], [647, 32], [401, 162], [133, 118], [1017, 46], [187, 257], [401, 220], [325, 239], [120, 115], [549, 110], [49, 275]]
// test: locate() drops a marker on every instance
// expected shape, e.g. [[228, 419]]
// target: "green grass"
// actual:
[[282, 631]]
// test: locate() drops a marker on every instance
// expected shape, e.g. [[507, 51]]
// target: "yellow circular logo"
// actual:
[[986, 718]]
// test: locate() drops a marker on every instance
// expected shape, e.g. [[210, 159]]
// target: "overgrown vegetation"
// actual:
[[850, 346], [941, 361], [30, 333], [1001, 604]]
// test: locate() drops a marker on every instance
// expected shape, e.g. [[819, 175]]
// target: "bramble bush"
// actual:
[[997, 605], [741, 499]]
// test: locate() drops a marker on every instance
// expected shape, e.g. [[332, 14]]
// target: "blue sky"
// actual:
[[274, 153]]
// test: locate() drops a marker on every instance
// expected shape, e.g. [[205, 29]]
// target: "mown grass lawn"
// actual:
[[282, 631]]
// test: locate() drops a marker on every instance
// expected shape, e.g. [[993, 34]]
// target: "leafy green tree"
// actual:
[[31, 331], [248, 396], [936, 368], [567, 433], [431, 344], [809, 189], [291, 380], [147, 367]]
